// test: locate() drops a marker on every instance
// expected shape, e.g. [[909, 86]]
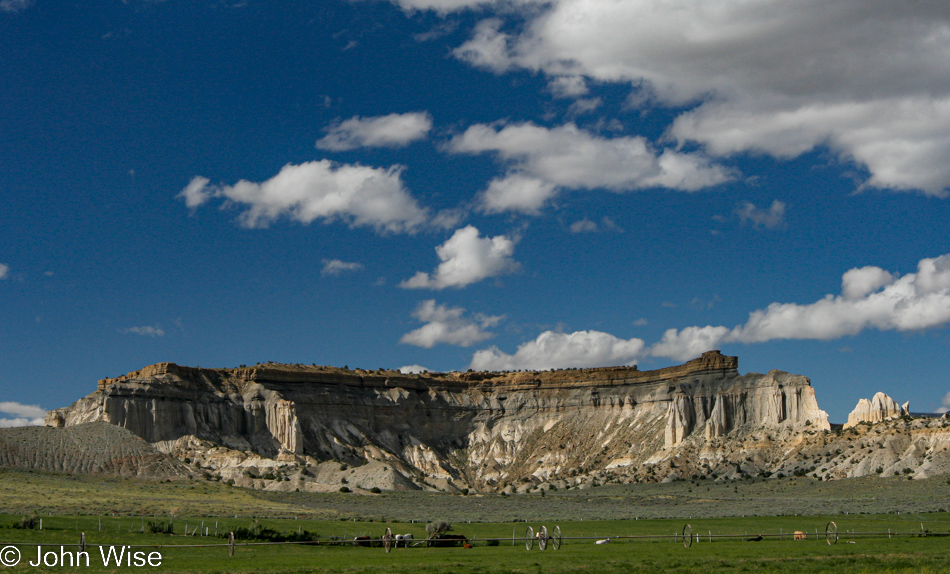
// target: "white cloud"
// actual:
[[585, 106], [393, 130], [945, 404], [146, 331], [335, 267], [689, 342], [448, 325], [771, 218], [516, 192], [870, 80], [544, 159], [197, 193], [859, 282], [444, 6], [14, 5], [26, 415], [568, 86], [467, 258], [4, 271], [362, 196], [583, 226], [413, 369], [553, 350], [871, 299], [587, 226]]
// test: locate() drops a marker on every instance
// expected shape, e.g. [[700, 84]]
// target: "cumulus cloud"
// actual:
[[467, 258], [25, 415], [335, 267], [544, 159], [871, 298], [4, 271], [393, 130], [516, 192], [448, 325], [869, 80], [360, 195], [771, 218], [554, 350]]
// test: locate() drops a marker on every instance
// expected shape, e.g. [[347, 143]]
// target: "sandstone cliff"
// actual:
[[486, 430]]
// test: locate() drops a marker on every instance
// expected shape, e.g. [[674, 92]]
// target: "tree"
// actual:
[[438, 528]]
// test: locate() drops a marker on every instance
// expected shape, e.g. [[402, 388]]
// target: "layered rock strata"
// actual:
[[486, 430]]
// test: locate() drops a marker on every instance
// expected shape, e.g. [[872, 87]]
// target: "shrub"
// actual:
[[160, 527], [376, 490], [345, 489], [25, 523]]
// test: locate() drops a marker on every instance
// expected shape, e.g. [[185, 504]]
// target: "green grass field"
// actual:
[[902, 553], [115, 512]]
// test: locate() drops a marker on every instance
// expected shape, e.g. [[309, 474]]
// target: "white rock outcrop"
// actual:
[[880, 408]]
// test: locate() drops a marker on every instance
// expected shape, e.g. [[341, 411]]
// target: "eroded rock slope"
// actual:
[[308, 427]]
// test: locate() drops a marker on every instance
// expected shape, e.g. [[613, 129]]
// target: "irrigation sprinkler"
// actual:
[[687, 536], [231, 544], [831, 533], [543, 538], [388, 539], [82, 541], [529, 538], [556, 538]]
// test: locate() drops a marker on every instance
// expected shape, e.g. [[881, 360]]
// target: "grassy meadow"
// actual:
[[118, 511]]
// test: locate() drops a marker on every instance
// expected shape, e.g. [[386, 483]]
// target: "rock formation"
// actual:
[[477, 429], [880, 408]]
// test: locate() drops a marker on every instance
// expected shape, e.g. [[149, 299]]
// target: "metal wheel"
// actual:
[[687, 536], [543, 538], [388, 539], [231, 544], [831, 533], [556, 538], [529, 538]]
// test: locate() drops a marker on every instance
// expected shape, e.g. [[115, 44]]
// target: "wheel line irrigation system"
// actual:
[[542, 537]]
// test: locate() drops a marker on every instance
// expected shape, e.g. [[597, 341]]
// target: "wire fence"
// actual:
[[543, 538]]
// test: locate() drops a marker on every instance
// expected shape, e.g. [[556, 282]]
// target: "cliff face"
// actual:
[[484, 430]]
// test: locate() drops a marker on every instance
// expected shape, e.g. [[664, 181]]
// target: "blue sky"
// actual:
[[452, 184]]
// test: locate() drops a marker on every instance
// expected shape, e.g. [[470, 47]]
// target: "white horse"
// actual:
[[405, 539]]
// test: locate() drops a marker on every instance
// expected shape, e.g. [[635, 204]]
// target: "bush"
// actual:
[[25, 523], [376, 490], [160, 527], [257, 532], [345, 489]]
